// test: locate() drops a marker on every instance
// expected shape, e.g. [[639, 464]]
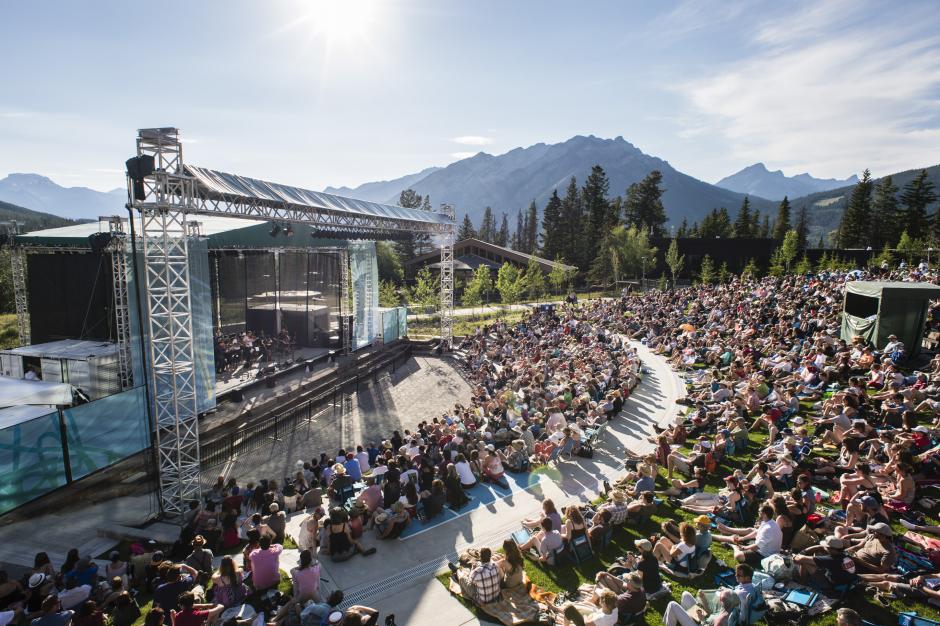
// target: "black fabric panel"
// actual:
[[70, 297]]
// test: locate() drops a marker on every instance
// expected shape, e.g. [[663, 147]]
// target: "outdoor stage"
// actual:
[[244, 377]]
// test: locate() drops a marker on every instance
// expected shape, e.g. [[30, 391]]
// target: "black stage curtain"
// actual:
[[70, 296]]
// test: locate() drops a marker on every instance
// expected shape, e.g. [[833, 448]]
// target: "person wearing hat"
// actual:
[[826, 566], [863, 510], [515, 457], [276, 520], [39, 586], [617, 507], [200, 559], [875, 552]]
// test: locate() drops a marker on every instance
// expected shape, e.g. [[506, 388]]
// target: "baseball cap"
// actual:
[[833, 542], [881, 529], [703, 520], [643, 545]]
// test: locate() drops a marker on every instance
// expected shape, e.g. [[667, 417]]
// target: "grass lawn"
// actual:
[[569, 577], [9, 334], [464, 325]]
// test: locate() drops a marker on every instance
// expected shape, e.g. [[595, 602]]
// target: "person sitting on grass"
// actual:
[[192, 614], [767, 538], [725, 611], [481, 584], [549, 511], [603, 613], [546, 541], [512, 567], [617, 507], [667, 551]]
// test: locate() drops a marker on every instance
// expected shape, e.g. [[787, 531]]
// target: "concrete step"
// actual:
[[160, 532]]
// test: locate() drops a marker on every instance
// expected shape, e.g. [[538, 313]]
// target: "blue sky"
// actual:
[[318, 93]]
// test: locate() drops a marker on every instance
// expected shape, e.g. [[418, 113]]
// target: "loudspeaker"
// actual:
[[99, 241], [138, 168]]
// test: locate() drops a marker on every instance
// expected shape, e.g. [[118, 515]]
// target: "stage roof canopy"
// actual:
[[212, 183]]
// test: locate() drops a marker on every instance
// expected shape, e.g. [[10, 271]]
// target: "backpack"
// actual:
[[755, 609]]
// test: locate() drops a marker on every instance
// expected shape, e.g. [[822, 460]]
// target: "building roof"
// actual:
[[473, 260]]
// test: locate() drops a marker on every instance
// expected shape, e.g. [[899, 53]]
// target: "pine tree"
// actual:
[[466, 230], [643, 206], [888, 215], [916, 197], [532, 229], [407, 246], [755, 222], [551, 228], [855, 227], [782, 223], [597, 210], [765, 228], [516, 243], [571, 226], [683, 229], [802, 228], [742, 224], [502, 237], [487, 231], [707, 270]]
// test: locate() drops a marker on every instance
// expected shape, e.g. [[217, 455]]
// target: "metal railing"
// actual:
[[273, 428]]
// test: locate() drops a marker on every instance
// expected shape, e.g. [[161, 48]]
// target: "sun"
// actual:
[[341, 21]]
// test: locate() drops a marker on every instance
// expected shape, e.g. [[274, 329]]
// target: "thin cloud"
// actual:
[[473, 140], [830, 96], [15, 114]]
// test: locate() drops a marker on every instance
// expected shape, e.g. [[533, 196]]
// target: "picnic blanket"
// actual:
[[515, 607]]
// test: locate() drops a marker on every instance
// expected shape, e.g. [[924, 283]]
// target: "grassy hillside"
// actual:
[[826, 207], [29, 220]]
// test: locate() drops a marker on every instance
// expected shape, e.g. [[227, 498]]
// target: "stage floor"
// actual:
[[227, 381]]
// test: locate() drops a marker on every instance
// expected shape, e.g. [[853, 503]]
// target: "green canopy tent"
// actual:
[[875, 310]]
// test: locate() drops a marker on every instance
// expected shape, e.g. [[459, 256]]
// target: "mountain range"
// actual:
[[509, 182], [39, 193], [757, 180]]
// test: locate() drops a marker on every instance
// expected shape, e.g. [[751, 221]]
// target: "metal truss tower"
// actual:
[[167, 194], [118, 249], [447, 283], [20, 294], [344, 301]]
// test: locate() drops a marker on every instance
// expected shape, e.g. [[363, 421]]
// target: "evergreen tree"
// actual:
[[782, 223], [755, 222], [643, 206], [466, 230], [683, 229], [408, 245], [597, 210], [707, 270], [742, 224], [764, 232], [487, 231], [716, 225], [855, 227], [571, 226], [887, 214], [502, 237], [532, 229], [552, 236], [917, 196], [802, 228]]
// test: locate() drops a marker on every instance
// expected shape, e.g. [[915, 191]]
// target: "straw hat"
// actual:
[[339, 468], [618, 496]]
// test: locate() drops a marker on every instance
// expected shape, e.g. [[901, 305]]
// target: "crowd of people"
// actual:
[[831, 443], [836, 442]]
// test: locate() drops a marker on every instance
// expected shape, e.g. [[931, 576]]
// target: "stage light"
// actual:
[[138, 168], [275, 229]]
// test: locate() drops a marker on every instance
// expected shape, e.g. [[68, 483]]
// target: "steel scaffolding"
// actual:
[[164, 198], [345, 326], [20, 295], [168, 193], [447, 283], [117, 247]]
